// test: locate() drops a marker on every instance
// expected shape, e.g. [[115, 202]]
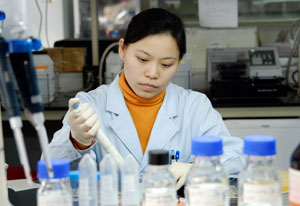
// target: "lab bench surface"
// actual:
[[280, 107], [29, 196]]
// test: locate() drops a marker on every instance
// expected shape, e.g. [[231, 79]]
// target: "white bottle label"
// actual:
[[294, 186], [130, 190], [55, 199], [262, 193], [208, 194], [84, 192], [108, 191], [160, 197]]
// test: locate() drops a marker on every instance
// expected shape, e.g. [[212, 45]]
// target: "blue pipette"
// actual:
[[12, 107], [22, 64]]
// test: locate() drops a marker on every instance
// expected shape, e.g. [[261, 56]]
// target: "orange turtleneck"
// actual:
[[143, 111]]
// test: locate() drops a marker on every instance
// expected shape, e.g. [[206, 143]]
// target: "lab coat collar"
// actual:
[[163, 129]]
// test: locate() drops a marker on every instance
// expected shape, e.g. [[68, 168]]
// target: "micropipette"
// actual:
[[12, 107], [104, 141], [22, 64]]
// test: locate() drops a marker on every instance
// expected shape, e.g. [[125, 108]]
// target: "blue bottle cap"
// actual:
[[61, 168], [23, 45], [98, 176], [207, 145], [259, 145], [2, 15], [74, 175]]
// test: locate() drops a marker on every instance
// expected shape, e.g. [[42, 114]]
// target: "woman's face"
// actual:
[[150, 63]]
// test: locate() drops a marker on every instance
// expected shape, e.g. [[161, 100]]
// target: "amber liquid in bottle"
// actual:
[[294, 178]]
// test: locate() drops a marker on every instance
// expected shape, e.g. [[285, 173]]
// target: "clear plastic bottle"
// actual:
[[259, 182], [130, 193], [56, 191], [109, 185], [158, 183], [294, 178], [207, 182], [88, 185]]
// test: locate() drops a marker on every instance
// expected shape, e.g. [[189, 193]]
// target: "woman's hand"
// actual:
[[180, 171], [83, 122]]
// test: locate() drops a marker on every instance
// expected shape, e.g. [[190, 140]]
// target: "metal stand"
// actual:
[[3, 186], [94, 29]]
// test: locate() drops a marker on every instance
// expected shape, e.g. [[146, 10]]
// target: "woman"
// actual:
[[141, 110]]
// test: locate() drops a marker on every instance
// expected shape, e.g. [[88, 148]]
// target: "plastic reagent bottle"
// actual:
[[109, 185], [158, 183], [294, 178], [74, 182], [88, 181], [55, 191], [259, 182], [130, 182], [207, 182]]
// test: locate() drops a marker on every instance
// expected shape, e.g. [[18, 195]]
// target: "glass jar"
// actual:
[[259, 181], [158, 183], [207, 181], [54, 191]]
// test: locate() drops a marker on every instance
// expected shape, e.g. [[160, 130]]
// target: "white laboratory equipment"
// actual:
[[44, 68], [88, 185], [259, 182], [56, 190], [130, 190], [207, 182], [285, 130], [113, 65], [158, 182], [109, 185]]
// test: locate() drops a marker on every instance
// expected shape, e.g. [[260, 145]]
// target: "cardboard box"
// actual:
[[67, 59]]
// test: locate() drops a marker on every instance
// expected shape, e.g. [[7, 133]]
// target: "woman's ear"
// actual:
[[122, 48]]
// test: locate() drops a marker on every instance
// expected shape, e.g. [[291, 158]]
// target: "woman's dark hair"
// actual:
[[156, 21]]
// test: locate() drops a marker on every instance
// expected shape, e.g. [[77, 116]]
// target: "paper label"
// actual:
[[160, 197], [55, 199], [262, 193], [108, 191], [294, 187], [84, 190], [130, 190], [208, 194]]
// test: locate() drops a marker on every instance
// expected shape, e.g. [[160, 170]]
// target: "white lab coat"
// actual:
[[183, 115]]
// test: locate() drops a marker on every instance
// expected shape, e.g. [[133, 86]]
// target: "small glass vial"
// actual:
[[158, 183], [259, 182], [55, 191], [207, 182]]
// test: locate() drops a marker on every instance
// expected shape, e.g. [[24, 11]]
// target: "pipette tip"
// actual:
[[29, 179], [50, 173]]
